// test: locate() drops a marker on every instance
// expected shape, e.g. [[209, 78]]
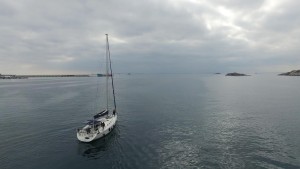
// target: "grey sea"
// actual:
[[164, 121]]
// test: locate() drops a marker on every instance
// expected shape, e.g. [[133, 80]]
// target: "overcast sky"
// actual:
[[149, 36]]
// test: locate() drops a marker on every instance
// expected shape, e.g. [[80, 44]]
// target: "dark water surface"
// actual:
[[165, 121]]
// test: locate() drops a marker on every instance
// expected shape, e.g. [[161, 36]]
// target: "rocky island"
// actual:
[[236, 74], [291, 73]]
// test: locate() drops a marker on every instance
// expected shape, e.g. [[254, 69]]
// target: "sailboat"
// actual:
[[103, 122]]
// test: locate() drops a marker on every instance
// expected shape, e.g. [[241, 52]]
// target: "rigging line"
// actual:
[[112, 79], [95, 107], [97, 93]]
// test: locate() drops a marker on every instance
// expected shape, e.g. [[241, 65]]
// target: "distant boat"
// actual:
[[102, 123]]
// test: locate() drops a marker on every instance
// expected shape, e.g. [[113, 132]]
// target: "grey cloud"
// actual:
[[286, 18], [240, 5], [147, 36]]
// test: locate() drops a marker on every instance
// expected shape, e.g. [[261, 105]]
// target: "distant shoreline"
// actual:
[[36, 76], [291, 73]]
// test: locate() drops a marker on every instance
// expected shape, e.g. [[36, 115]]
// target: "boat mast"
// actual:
[[107, 52], [112, 79]]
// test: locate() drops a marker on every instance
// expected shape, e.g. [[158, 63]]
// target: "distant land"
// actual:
[[13, 76], [8, 76], [291, 73], [236, 74]]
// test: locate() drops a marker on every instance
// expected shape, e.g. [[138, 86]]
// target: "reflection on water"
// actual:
[[97, 148]]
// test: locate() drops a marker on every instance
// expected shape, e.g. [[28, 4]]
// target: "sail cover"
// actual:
[[92, 122], [103, 113]]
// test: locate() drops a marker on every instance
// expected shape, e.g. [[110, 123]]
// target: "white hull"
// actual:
[[89, 133]]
